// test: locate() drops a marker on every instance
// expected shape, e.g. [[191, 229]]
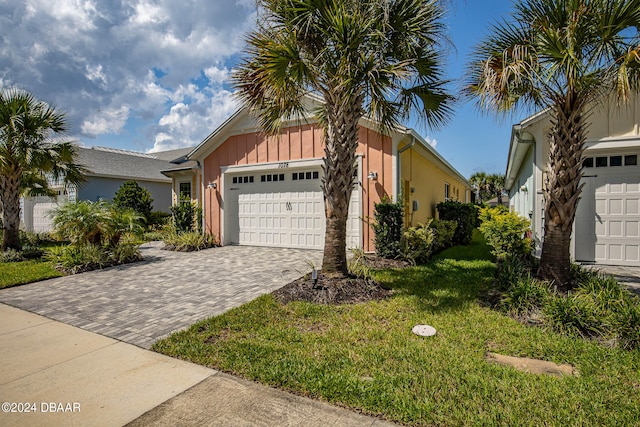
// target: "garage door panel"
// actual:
[[608, 217]]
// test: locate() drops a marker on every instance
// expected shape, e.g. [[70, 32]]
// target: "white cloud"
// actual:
[[431, 141], [110, 64], [105, 122]]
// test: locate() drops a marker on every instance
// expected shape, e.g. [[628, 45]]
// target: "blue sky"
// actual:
[[151, 75]]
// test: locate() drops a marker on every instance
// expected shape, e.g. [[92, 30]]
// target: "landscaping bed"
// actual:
[[364, 356]]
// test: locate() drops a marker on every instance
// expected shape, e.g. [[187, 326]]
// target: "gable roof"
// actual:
[[113, 163], [215, 138]]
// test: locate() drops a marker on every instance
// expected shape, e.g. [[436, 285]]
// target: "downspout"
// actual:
[[399, 163]]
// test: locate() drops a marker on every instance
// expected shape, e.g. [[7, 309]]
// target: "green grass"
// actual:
[[365, 357], [19, 273]]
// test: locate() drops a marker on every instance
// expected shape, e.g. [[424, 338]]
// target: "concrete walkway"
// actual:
[[626, 275], [65, 376], [142, 302]]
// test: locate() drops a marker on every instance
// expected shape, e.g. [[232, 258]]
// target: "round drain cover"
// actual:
[[424, 330]]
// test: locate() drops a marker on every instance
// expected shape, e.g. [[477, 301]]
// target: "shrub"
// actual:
[[505, 232], [388, 228], [465, 215], [443, 232], [11, 255], [124, 253], [417, 243], [573, 314], [157, 219], [94, 223], [511, 269], [525, 296], [131, 196], [628, 325], [188, 242], [72, 259], [184, 216], [357, 264]]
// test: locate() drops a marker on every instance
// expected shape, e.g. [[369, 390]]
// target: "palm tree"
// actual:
[[29, 155], [379, 58], [565, 56], [495, 183], [479, 182]]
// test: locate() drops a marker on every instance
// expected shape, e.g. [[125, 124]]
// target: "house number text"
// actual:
[[283, 165]]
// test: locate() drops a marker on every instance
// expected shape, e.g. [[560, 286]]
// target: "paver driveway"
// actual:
[[139, 303]]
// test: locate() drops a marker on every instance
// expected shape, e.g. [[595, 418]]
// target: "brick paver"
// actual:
[[142, 302]]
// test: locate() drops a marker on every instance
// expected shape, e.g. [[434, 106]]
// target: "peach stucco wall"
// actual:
[[296, 143]]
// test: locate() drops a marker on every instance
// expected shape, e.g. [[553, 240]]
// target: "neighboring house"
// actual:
[[108, 169], [607, 224], [263, 190]]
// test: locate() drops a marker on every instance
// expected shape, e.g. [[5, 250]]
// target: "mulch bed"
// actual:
[[332, 290]]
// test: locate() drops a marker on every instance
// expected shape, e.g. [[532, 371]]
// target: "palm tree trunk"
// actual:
[[562, 190], [10, 198], [341, 142]]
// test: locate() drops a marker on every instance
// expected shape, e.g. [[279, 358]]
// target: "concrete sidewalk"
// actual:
[[66, 376]]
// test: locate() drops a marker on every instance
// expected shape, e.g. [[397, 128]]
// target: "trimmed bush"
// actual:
[[131, 196], [73, 259], [388, 228], [465, 215], [417, 243], [443, 233], [505, 232]]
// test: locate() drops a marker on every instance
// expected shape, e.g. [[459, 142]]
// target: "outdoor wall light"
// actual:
[[524, 188], [212, 185], [372, 175]]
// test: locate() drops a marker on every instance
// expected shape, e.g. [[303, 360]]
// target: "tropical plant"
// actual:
[[131, 195], [373, 58], [94, 223], [417, 243], [30, 157], [566, 57]]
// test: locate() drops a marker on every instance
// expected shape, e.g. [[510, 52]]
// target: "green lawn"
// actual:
[[365, 357], [19, 273]]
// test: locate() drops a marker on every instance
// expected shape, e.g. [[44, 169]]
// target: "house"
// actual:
[[264, 190], [108, 169], [607, 224]]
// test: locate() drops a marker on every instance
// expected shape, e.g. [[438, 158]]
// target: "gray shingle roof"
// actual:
[[119, 164], [171, 154]]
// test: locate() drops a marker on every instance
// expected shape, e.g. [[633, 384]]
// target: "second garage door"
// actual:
[[284, 209], [608, 218]]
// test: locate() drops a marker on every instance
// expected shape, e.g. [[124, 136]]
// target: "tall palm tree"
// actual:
[[479, 182], [29, 155], [379, 58], [565, 56], [495, 183]]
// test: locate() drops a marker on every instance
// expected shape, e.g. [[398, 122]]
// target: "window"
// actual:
[[243, 179], [304, 175], [588, 162], [446, 191], [272, 177], [601, 162], [615, 161], [631, 160], [185, 191]]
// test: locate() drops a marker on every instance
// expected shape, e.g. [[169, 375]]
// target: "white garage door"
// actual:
[[608, 217], [281, 208]]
